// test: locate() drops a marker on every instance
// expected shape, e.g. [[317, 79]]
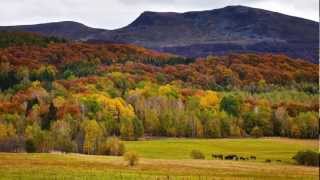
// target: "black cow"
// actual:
[[268, 161], [231, 157], [253, 157]]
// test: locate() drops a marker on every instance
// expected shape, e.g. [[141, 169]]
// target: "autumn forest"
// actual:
[[71, 96]]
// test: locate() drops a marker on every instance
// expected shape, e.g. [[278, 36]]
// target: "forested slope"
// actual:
[[71, 96]]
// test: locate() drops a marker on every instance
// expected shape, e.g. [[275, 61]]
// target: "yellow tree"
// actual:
[[210, 99], [7, 131], [92, 136]]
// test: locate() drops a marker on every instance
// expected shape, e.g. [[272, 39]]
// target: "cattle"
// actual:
[[268, 161], [231, 157], [253, 157], [242, 158]]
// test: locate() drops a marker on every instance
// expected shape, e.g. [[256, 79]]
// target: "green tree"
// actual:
[[40, 138], [61, 134], [151, 122], [49, 117], [138, 128], [47, 73], [231, 105], [127, 129], [307, 124]]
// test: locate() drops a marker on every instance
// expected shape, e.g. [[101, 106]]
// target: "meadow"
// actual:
[[168, 159], [266, 148]]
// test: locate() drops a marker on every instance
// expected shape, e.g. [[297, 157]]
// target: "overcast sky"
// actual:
[[112, 14]]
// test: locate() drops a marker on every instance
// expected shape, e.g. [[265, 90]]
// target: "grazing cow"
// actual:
[[242, 158], [231, 157], [268, 161], [214, 156], [253, 157]]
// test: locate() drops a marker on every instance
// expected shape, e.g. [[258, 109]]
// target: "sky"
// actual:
[[113, 14]]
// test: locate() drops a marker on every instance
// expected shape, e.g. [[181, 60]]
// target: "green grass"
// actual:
[[167, 159], [266, 148]]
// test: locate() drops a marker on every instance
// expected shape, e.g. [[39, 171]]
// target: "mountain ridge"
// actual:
[[218, 31]]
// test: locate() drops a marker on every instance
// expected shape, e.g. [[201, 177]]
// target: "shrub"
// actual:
[[196, 154], [113, 146], [256, 132], [30, 146], [307, 158], [131, 157], [65, 145]]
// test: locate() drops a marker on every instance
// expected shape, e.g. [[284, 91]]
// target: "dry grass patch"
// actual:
[[54, 165]]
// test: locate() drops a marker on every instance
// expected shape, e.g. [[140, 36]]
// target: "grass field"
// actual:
[[167, 159], [267, 148]]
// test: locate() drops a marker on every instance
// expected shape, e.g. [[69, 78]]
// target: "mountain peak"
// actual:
[[237, 7], [150, 13], [201, 33], [150, 17]]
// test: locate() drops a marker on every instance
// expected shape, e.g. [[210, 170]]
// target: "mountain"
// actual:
[[231, 29], [64, 29]]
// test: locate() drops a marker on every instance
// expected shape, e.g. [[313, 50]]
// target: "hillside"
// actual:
[[59, 54], [236, 29], [236, 70], [9, 39], [76, 96], [64, 29]]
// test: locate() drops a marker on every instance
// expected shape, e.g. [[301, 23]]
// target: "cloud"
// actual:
[[111, 14]]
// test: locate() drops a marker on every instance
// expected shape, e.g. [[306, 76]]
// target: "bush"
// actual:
[[30, 146], [196, 154], [256, 132], [65, 145], [113, 146], [131, 157], [307, 158]]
